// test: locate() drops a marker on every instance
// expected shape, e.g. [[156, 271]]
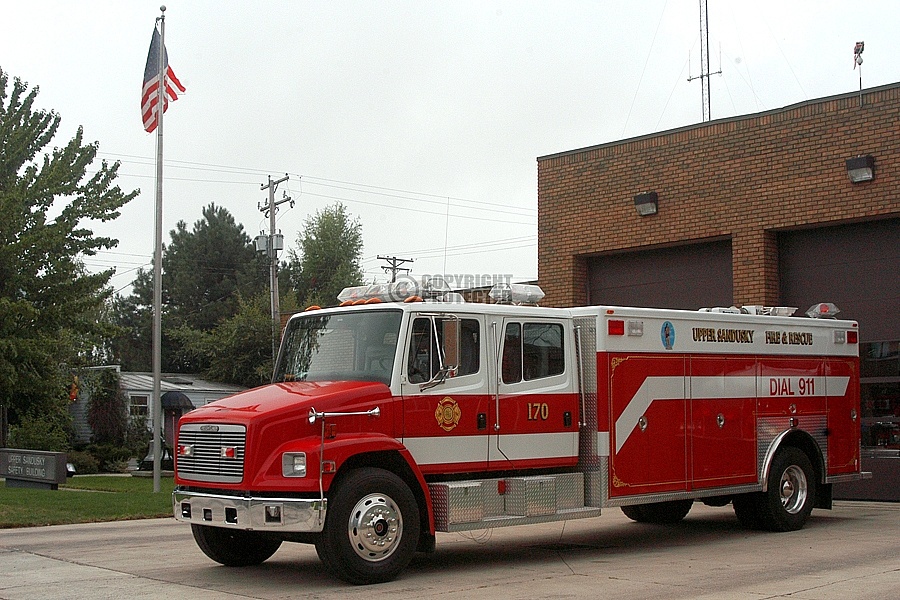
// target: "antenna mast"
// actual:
[[704, 62]]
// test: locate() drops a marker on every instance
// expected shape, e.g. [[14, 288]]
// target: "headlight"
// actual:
[[293, 464]]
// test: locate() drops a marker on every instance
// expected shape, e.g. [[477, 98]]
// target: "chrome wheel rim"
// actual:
[[375, 527], [794, 489]]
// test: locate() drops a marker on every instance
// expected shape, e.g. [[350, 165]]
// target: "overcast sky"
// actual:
[[425, 118]]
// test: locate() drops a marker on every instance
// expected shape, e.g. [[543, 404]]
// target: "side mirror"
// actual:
[[451, 344]]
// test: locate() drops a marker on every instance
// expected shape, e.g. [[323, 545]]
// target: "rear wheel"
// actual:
[[234, 547], [790, 497], [371, 529], [663, 513]]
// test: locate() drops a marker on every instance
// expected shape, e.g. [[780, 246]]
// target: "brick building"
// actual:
[[758, 209]]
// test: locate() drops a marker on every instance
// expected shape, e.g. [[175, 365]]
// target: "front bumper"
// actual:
[[249, 513]]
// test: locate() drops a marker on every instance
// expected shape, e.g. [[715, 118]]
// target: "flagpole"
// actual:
[[157, 259]]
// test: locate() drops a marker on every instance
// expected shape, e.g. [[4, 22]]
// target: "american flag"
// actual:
[[150, 94]]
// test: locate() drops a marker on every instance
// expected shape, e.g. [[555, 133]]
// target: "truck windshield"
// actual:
[[357, 346]]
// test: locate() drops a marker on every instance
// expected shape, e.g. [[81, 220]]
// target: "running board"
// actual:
[[487, 503]]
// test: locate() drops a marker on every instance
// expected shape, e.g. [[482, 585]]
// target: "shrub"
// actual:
[[84, 462], [42, 432], [137, 437], [109, 457]]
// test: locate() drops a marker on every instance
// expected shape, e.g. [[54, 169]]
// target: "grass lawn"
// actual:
[[86, 499]]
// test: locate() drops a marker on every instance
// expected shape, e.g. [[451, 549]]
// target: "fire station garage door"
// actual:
[[855, 266], [689, 277]]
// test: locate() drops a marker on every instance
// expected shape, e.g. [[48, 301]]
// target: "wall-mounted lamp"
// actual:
[[861, 168], [646, 203]]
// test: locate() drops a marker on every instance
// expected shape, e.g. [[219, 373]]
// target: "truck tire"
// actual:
[[234, 547], [371, 528], [660, 513], [746, 510], [791, 493], [634, 513]]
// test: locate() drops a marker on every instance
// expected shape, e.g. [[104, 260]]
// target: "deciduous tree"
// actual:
[[49, 302], [329, 255]]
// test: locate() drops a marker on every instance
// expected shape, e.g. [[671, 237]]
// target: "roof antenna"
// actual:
[[704, 62]]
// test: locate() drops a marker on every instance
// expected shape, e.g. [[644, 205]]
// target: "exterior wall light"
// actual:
[[646, 203], [861, 168]]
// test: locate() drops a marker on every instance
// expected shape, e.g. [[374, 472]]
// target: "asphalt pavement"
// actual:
[[848, 553]]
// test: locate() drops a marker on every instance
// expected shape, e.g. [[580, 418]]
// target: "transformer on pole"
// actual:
[[271, 244]]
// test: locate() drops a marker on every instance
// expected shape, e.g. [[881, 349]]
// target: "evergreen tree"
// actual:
[[205, 271], [208, 267], [107, 410]]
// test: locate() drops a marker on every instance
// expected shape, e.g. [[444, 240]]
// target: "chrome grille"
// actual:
[[206, 461]]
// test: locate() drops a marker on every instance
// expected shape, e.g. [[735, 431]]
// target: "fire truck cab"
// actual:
[[388, 421]]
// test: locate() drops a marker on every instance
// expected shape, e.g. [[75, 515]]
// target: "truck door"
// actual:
[[649, 413], [722, 418], [445, 424], [535, 413], [842, 389]]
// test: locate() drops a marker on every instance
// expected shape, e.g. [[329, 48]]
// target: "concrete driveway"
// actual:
[[848, 553]]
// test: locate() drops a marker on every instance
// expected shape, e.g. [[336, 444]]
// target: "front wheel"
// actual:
[[371, 529], [234, 547]]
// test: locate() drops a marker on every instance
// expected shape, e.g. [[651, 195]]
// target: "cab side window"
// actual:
[[532, 351], [512, 353], [424, 357]]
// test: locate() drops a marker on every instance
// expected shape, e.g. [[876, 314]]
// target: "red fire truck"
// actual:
[[389, 421]]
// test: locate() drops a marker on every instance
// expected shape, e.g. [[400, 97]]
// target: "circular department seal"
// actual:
[[447, 414], [667, 335]]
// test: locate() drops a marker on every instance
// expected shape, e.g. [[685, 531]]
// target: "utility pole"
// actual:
[[393, 265], [271, 244]]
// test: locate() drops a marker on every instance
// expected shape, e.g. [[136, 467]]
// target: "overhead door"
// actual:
[[856, 266], [689, 277]]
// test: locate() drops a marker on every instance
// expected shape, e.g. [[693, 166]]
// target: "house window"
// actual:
[[138, 406]]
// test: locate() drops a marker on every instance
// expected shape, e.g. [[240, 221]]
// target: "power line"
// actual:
[[465, 246], [440, 198]]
